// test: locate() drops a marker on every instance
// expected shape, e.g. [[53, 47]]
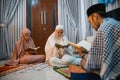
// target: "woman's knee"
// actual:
[[68, 59], [28, 59]]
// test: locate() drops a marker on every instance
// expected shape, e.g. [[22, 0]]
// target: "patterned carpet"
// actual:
[[4, 70]]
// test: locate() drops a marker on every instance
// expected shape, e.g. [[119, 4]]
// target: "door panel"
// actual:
[[44, 20]]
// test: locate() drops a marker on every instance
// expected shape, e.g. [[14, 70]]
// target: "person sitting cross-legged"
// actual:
[[23, 52]]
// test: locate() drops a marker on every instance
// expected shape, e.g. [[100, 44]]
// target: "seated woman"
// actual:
[[23, 54], [57, 51]]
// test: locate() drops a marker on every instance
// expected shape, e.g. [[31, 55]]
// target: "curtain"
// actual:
[[72, 15], [17, 24], [7, 10], [68, 17]]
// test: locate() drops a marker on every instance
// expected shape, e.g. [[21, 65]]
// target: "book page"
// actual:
[[36, 48], [29, 49], [61, 46], [81, 45], [85, 44]]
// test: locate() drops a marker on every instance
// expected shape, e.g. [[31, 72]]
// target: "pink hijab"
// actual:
[[22, 44]]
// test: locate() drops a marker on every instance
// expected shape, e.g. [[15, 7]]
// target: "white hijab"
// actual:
[[50, 49]]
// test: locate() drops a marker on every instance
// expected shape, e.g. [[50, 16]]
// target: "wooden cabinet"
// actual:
[[43, 20]]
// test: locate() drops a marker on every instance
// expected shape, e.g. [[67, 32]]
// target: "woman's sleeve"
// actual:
[[14, 54]]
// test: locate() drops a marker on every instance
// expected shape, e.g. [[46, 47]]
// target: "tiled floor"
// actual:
[[46, 73]]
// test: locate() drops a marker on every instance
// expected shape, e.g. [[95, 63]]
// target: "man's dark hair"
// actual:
[[97, 8]]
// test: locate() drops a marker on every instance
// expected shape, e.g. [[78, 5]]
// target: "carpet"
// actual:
[[63, 71], [76, 76], [4, 70]]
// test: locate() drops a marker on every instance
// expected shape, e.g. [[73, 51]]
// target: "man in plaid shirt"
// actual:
[[104, 55]]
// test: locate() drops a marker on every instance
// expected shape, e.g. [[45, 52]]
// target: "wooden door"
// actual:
[[44, 20]]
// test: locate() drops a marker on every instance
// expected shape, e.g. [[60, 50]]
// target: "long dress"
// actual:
[[61, 56], [19, 53]]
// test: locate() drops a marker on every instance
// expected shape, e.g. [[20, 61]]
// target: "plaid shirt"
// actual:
[[105, 48]]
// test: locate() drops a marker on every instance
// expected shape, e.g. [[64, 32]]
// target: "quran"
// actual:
[[83, 46], [32, 49], [61, 46]]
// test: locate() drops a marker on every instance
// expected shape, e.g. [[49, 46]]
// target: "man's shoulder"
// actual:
[[109, 23]]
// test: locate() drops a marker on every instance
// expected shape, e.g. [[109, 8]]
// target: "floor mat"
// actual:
[[4, 70], [63, 71]]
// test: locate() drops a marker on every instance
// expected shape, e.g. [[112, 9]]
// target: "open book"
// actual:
[[34, 49], [83, 46], [61, 46]]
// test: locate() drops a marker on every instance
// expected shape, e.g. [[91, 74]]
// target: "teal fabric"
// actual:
[[106, 1]]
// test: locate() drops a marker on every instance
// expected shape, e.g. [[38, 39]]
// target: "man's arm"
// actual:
[[95, 55]]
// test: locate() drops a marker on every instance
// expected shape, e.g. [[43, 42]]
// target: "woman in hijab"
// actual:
[[57, 51], [23, 54]]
